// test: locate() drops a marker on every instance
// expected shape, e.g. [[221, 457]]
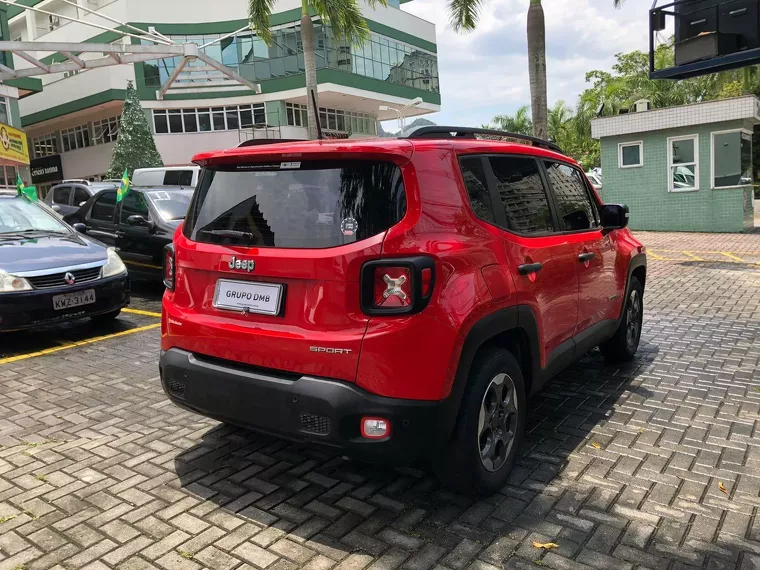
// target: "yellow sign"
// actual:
[[13, 145]]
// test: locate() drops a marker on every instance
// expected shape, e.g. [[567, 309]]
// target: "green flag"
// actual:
[[123, 187], [28, 192]]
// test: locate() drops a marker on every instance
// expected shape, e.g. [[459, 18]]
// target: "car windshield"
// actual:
[[18, 215], [171, 204]]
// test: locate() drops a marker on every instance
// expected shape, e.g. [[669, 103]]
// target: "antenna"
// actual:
[[316, 115]]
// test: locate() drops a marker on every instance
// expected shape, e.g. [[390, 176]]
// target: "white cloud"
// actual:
[[486, 72]]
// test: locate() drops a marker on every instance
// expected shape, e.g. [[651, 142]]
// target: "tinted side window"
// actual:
[[178, 178], [477, 187], [61, 195], [80, 195], [104, 207], [133, 205], [573, 201], [522, 194]]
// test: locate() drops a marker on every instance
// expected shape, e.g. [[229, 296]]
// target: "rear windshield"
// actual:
[[296, 204]]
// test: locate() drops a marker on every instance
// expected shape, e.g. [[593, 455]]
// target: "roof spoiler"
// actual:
[[441, 132]]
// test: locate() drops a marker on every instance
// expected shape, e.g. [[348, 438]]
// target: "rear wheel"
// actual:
[[105, 317], [490, 428], [625, 343]]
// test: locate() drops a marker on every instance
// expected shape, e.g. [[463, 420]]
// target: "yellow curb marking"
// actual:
[[730, 255], [694, 257], [140, 312], [53, 350]]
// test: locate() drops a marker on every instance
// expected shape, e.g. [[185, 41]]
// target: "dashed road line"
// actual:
[[93, 340]]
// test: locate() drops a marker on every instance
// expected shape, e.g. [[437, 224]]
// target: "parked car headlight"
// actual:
[[12, 284], [114, 265]]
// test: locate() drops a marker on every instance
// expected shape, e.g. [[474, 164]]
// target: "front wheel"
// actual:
[[625, 343], [490, 427]]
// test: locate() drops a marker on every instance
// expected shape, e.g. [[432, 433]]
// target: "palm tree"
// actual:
[[464, 16], [519, 123], [345, 20], [557, 119]]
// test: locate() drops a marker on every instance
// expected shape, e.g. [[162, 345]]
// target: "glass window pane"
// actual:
[[232, 118], [477, 187], [175, 122], [573, 202], [289, 113], [162, 125], [746, 161], [522, 194], [683, 177], [246, 118], [204, 121], [630, 155], [259, 115], [104, 207], [683, 151], [219, 120], [189, 120]]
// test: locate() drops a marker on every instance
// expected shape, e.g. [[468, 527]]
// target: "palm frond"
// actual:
[[344, 17], [464, 14], [259, 12]]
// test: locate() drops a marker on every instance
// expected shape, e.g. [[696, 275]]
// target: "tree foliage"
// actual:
[[612, 92], [135, 146]]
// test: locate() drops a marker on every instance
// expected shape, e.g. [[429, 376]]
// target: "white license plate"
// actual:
[[248, 297], [69, 300]]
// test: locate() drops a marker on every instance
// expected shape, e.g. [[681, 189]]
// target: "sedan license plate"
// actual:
[[248, 297], [71, 300]]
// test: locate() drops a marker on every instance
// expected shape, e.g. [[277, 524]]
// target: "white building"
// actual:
[[75, 115]]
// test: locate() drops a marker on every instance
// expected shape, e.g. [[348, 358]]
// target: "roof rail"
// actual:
[[435, 132], [257, 142]]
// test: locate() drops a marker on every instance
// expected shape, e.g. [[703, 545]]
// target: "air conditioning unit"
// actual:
[[642, 105]]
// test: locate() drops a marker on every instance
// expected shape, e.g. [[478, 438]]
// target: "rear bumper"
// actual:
[[303, 408], [31, 309]]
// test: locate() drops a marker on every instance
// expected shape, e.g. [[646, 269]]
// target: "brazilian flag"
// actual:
[[28, 192], [123, 187]]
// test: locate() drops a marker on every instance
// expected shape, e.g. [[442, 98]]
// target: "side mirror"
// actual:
[[137, 220], [56, 208], [81, 228], [614, 216]]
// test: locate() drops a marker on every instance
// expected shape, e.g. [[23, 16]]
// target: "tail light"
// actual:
[[169, 269], [397, 286]]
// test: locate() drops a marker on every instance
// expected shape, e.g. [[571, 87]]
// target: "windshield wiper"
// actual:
[[32, 231], [232, 234]]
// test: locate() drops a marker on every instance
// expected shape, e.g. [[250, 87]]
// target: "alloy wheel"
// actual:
[[633, 319], [497, 423]]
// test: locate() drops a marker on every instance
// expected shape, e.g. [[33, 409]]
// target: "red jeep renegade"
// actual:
[[394, 298]]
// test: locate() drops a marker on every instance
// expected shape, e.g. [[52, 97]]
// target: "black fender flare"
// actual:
[[638, 260], [518, 317]]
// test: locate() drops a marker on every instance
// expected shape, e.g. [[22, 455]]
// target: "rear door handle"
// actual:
[[528, 268], [584, 257]]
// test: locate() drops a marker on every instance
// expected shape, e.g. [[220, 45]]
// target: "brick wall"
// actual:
[[645, 189]]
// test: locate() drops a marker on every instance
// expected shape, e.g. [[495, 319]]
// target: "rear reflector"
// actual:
[[393, 287], [375, 428]]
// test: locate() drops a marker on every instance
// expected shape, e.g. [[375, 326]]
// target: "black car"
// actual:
[[139, 227], [50, 273]]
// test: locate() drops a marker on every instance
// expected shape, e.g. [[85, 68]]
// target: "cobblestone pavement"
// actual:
[[649, 465]]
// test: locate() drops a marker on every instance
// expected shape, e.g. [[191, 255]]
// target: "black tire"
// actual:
[[461, 465], [105, 317], [625, 343]]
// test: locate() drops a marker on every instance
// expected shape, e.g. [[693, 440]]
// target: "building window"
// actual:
[[7, 177], [631, 154], [46, 145], [75, 138], [683, 163], [5, 115], [332, 119], [106, 130], [731, 158], [207, 119]]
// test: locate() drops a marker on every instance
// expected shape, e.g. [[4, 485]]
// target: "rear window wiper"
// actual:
[[233, 234]]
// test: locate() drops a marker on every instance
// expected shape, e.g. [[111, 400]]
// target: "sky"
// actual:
[[485, 73]]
